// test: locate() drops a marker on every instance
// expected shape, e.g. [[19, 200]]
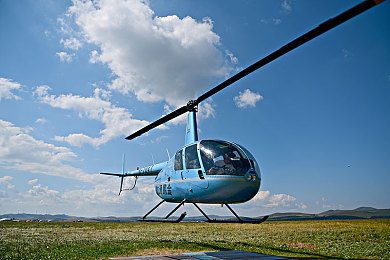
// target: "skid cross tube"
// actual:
[[251, 221], [227, 205], [201, 211], [144, 219], [155, 207], [178, 206]]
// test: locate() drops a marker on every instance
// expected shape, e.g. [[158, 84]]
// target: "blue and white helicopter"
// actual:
[[216, 171]]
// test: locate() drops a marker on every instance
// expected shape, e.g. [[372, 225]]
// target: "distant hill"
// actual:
[[359, 213], [44, 217]]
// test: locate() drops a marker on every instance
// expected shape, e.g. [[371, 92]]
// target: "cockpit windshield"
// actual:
[[223, 158]]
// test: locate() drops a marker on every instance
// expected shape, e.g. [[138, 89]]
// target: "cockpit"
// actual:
[[217, 157], [223, 158]]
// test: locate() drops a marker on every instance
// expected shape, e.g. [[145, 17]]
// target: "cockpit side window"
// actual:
[[192, 160], [179, 160]]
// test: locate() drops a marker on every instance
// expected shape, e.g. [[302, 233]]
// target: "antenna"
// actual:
[[153, 159], [169, 157]]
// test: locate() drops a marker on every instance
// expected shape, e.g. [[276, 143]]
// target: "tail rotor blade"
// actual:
[[123, 164], [120, 189]]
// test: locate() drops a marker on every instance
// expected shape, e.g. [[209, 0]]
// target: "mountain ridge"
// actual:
[[358, 213]]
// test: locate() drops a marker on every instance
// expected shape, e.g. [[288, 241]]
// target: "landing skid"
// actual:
[[144, 219], [252, 221], [163, 219], [239, 220], [182, 216]]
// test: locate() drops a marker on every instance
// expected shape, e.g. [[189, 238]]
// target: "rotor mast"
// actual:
[[192, 126]]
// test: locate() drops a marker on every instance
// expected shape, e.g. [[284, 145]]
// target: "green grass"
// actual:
[[363, 239]]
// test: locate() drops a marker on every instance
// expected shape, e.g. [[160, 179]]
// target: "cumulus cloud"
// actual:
[[156, 58], [32, 182], [4, 181], [286, 6], [117, 120], [71, 43], [43, 192], [247, 99], [20, 151], [94, 58], [65, 57], [107, 194], [6, 88], [282, 201], [91, 200]]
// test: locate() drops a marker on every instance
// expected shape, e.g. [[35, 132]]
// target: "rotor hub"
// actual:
[[192, 106]]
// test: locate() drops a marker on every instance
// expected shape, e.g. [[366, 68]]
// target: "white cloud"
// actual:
[[262, 195], [20, 151], [275, 200], [267, 203], [277, 21], [94, 58], [118, 121], [247, 98], [5, 182], [42, 192], [324, 203], [98, 199], [32, 182], [71, 43], [65, 57], [3, 195], [286, 6], [156, 58], [6, 88], [41, 120]]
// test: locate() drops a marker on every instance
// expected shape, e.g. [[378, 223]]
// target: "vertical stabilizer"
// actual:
[[192, 128]]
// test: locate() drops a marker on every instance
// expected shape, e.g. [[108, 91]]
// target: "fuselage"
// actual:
[[209, 171]]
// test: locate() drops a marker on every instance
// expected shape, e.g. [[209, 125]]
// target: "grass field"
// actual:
[[363, 239]]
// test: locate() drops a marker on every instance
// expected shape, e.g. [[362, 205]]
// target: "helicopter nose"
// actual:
[[251, 176]]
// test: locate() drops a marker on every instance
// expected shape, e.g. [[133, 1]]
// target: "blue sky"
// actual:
[[77, 77]]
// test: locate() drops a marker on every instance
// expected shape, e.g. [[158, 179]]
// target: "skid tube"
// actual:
[[144, 219], [239, 220]]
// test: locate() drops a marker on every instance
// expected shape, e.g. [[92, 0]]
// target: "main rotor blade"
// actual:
[[162, 120], [322, 28]]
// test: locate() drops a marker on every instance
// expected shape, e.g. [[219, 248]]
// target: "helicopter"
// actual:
[[211, 171]]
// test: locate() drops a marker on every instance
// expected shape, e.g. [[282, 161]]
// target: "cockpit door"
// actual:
[[178, 164], [193, 171]]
